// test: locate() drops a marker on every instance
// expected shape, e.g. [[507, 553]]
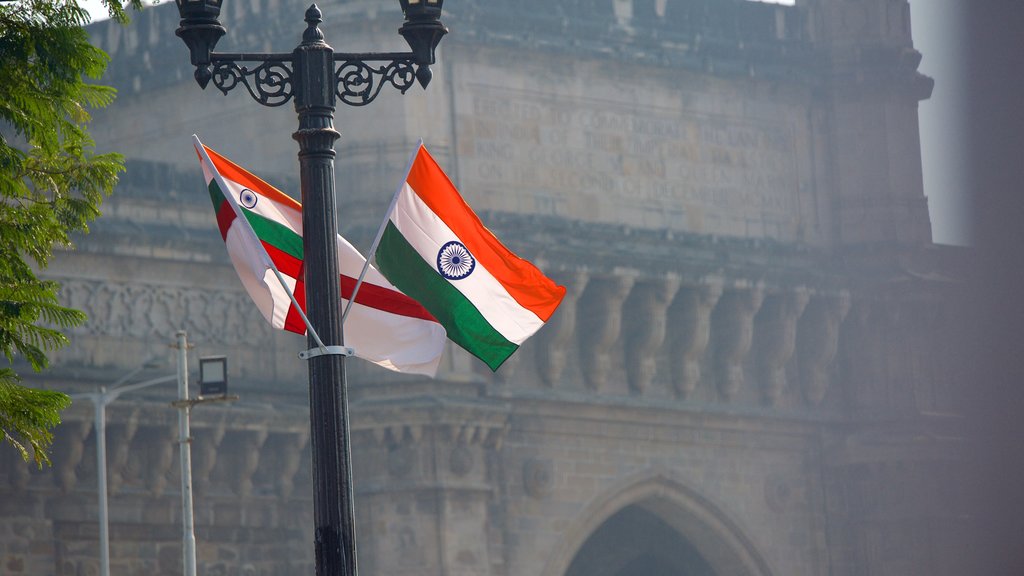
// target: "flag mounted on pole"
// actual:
[[262, 230], [435, 249]]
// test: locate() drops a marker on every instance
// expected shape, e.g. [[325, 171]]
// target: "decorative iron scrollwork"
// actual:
[[270, 83], [359, 82]]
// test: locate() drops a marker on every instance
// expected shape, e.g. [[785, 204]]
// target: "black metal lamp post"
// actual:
[[315, 76]]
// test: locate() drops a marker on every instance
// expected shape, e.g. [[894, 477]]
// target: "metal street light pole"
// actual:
[[100, 400], [184, 405], [317, 76], [188, 536]]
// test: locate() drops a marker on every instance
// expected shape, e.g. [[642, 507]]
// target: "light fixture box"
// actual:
[[213, 376]]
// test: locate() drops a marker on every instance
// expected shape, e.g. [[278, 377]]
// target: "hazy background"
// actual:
[[938, 34], [993, 144], [972, 141]]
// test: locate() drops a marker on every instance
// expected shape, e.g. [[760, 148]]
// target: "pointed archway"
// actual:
[[637, 542], [655, 526]]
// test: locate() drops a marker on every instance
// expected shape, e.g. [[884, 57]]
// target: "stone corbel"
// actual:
[[556, 336], [206, 443], [691, 326], [249, 448], [648, 330], [68, 446], [734, 335], [288, 448], [818, 340], [161, 445], [402, 434], [495, 437], [119, 444], [600, 327], [776, 340]]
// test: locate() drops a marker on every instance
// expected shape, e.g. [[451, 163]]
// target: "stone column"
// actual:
[[882, 483], [426, 487], [873, 93]]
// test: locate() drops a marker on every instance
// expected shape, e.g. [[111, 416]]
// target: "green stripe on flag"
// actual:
[[267, 230], [215, 194], [400, 264], [275, 234]]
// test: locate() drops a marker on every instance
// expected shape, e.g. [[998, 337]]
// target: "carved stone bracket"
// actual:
[[206, 443], [557, 334], [776, 340], [647, 332], [818, 340], [68, 446], [600, 327], [161, 445], [285, 450], [432, 442], [249, 447], [691, 328], [735, 332], [118, 444]]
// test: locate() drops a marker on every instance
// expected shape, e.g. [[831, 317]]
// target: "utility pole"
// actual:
[[188, 538]]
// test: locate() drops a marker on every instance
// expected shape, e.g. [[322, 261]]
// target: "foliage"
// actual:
[[51, 186], [27, 416]]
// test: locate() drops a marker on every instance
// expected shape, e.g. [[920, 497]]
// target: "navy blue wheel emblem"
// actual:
[[247, 198], [454, 262]]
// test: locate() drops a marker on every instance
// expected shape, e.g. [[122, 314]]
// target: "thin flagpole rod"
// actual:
[[380, 231], [263, 253]]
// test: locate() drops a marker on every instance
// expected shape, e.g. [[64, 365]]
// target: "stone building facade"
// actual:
[[749, 375]]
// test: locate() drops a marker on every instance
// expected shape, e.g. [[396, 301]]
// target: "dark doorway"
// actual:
[[636, 542]]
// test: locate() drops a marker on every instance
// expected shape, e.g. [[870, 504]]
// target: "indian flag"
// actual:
[[385, 326], [435, 249]]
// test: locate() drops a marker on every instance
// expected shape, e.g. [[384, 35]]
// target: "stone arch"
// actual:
[[710, 532]]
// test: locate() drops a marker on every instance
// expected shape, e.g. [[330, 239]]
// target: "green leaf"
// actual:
[[52, 183]]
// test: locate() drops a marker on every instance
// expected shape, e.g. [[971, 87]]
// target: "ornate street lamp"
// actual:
[[200, 30], [316, 76]]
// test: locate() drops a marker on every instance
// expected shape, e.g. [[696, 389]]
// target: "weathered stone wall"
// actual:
[[749, 349]]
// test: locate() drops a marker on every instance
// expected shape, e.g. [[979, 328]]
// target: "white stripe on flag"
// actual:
[[426, 233]]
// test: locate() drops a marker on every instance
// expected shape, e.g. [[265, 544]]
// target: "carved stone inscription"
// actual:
[[644, 167]]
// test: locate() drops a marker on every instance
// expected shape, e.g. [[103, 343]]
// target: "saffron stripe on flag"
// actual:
[[232, 171], [463, 322], [426, 232], [524, 282], [265, 248]]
